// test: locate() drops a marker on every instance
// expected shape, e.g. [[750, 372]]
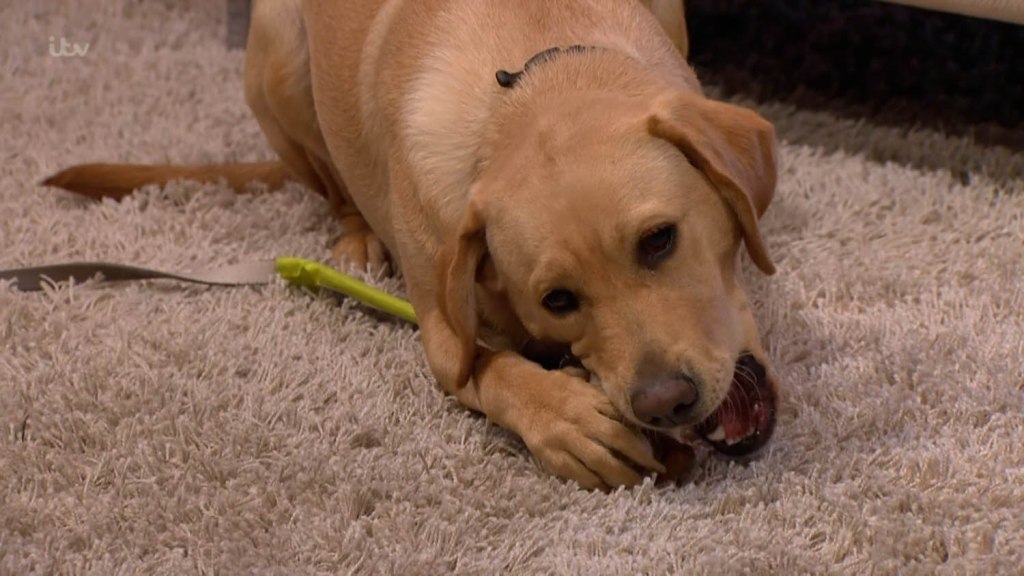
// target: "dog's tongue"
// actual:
[[745, 420], [735, 424], [742, 420]]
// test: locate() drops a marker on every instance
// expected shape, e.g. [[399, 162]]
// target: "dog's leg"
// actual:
[[279, 92], [568, 424], [358, 246]]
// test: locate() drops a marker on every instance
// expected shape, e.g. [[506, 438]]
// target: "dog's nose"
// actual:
[[665, 402]]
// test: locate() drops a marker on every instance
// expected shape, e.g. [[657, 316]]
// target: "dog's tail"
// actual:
[[119, 180]]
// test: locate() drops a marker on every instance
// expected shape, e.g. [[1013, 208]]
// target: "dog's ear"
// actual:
[[734, 147], [456, 295]]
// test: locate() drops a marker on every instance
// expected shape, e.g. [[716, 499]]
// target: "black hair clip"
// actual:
[[508, 79]]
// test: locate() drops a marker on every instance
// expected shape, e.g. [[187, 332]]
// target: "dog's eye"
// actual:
[[655, 246], [560, 301]]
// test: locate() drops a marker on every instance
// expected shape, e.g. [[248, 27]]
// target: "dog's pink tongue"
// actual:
[[746, 419], [735, 422]]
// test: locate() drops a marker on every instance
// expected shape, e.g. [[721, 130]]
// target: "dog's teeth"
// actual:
[[717, 435], [747, 434]]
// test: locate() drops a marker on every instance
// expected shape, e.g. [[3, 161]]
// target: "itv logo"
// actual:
[[66, 49]]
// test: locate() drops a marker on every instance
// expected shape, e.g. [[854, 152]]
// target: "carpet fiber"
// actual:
[[159, 428]]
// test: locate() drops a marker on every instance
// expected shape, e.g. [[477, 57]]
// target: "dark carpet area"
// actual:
[[889, 64]]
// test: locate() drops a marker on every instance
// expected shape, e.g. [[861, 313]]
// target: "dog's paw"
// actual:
[[580, 436], [359, 247]]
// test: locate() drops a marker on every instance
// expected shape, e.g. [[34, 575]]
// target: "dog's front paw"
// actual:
[[580, 436]]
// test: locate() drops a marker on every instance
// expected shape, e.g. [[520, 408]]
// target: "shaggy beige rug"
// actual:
[[160, 428]]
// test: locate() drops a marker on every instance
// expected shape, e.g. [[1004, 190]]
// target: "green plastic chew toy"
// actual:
[[310, 274]]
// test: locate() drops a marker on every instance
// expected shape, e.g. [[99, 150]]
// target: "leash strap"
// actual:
[[36, 278], [297, 271]]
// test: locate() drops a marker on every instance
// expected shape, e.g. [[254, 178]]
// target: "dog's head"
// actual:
[[613, 224]]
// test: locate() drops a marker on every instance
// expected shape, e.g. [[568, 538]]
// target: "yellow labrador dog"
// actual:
[[565, 206]]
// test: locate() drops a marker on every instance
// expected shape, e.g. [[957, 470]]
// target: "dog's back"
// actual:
[[349, 29]]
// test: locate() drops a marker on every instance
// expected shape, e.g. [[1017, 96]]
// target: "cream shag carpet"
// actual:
[[166, 429]]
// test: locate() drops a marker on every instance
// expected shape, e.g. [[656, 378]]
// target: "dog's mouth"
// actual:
[[742, 424], [745, 420]]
